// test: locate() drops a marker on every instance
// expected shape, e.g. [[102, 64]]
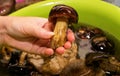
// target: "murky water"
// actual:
[[85, 49]]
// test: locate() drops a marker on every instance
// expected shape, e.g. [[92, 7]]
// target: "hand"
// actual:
[[32, 34]]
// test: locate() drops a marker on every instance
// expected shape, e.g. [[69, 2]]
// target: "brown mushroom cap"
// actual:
[[6, 7], [63, 11]]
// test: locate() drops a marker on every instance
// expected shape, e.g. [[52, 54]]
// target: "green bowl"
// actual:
[[94, 12]]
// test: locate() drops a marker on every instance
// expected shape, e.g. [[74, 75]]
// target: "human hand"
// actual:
[[32, 34]]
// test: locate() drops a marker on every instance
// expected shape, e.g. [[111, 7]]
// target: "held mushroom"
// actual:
[[61, 16]]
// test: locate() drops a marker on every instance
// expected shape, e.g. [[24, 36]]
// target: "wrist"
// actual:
[[3, 21]]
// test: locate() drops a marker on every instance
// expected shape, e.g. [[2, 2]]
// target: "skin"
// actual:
[[30, 34]]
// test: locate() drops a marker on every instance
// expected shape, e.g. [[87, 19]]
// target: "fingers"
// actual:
[[48, 26], [42, 33], [70, 36], [45, 31], [37, 31], [60, 50], [44, 51], [67, 45], [28, 46]]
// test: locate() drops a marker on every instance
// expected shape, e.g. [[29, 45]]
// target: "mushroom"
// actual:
[[79, 68], [22, 58], [102, 44], [18, 64], [85, 32], [108, 63], [6, 6], [61, 16], [6, 53]]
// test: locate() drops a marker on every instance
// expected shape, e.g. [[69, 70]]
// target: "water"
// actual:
[[84, 48]]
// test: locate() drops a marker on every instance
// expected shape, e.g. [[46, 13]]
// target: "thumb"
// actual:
[[43, 33]]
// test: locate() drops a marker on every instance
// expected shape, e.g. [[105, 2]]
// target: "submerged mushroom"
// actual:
[[75, 68], [102, 44], [95, 64], [6, 54], [86, 32], [18, 64], [107, 63], [6, 6], [83, 36], [78, 68]]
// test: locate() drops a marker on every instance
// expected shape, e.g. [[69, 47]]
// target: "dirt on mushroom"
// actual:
[[61, 16]]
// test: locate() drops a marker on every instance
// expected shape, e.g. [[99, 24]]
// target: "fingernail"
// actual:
[[69, 30], [51, 33], [67, 45], [49, 52], [60, 50]]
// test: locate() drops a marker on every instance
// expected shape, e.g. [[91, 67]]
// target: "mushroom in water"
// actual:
[[102, 44], [61, 16], [6, 7]]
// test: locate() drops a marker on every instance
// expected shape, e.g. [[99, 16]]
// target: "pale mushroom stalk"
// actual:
[[6, 52], [61, 16], [60, 33], [22, 58]]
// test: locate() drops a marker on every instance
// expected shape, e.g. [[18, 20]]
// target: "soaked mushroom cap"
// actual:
[[63, 11], [6, 7]]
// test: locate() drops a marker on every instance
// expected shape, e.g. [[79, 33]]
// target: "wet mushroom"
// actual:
[[22, 58], [61, 16], [6, 7], [108, 63], [85, 32], [75, 68], [18, 64], [102, 44], [6, 54]]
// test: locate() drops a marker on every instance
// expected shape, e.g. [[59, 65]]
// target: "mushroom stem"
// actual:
[[6, 52], [60, 33], [22, 58]]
